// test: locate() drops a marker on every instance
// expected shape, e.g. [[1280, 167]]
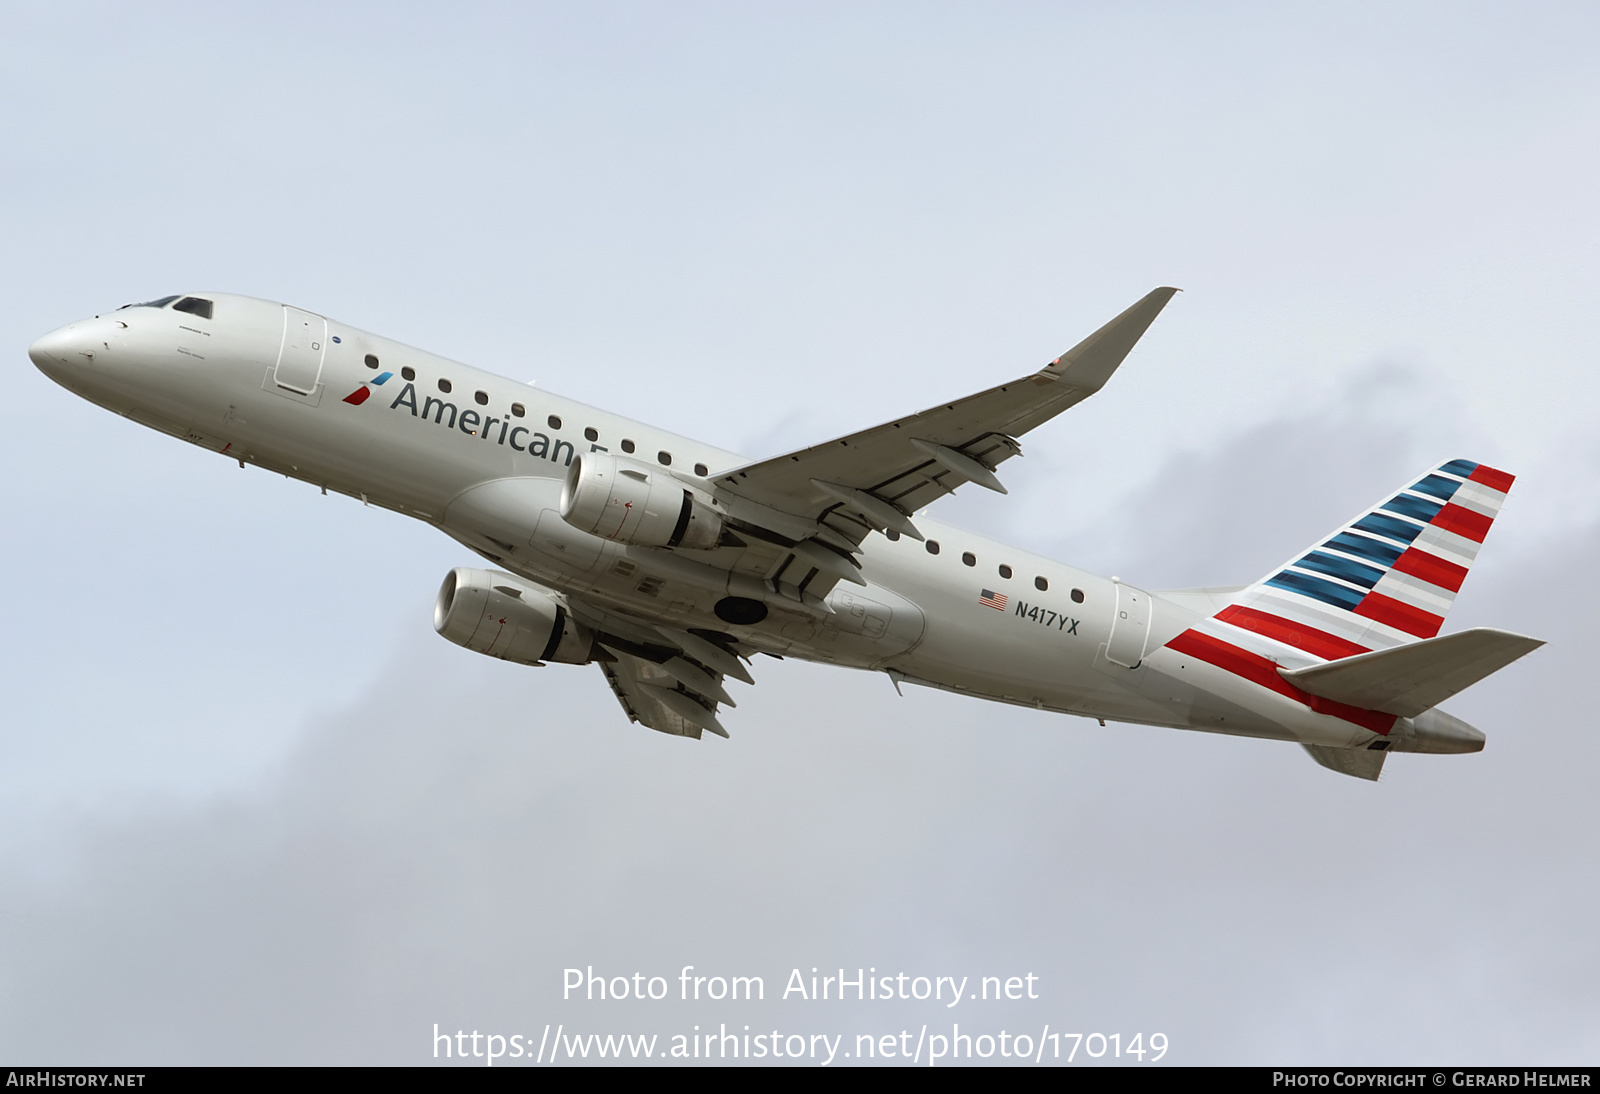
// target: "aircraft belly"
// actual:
[[1037, 657], [866, 628], [1219, 701], [517, 522], [360, 461]]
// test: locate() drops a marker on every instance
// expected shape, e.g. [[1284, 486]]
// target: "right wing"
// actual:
[[802, 516], [888, 461], [823, 501]]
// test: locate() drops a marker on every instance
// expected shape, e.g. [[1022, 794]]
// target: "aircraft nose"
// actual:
[[61, 348]]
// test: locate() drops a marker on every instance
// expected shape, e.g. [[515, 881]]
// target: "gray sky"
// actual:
[[252, 809]]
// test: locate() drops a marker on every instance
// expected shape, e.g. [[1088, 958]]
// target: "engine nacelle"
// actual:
[[632, 502], [506, 617]]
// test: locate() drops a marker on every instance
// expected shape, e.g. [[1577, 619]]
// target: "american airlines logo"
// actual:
[[359, 395], [487, 427]]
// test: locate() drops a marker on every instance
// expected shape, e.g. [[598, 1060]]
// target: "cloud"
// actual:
[[1227, 513]]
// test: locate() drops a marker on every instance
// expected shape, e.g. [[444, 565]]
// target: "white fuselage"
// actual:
[[489, 475]]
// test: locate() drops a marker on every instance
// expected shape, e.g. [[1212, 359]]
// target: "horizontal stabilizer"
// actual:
[[1359, 763], [1409, 679]]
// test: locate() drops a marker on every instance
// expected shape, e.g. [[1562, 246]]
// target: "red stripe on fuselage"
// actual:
[[1399, 615], [1301, 637], [1494, 480], [1432, 569], [1258, 670]]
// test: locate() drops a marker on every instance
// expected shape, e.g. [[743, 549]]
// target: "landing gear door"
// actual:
[[305, 340], [1130, 627]]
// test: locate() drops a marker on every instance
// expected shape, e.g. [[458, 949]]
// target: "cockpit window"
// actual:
[[163, 302], [194, 305]]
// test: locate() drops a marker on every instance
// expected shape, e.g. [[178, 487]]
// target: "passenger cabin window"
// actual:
[[627, 446], [665, 458], [517, 410], [444, 385], [555, 422], [590, 433], [371, 361], [969, 558], [481, 398], [1005, 571], [892, 535], [194, 305], [933, 546], [408, 373], [1041, 584], [1077, 596], [702, 470]]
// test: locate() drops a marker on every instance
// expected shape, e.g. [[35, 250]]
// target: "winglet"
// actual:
[[1090, 363]]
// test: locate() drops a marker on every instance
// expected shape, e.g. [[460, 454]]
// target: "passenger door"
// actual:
[[1130, 627], [305, 340]]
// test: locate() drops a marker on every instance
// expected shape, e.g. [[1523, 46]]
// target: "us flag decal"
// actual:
[[993, 600]]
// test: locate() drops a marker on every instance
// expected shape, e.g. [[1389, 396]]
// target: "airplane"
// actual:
[[672, 564]]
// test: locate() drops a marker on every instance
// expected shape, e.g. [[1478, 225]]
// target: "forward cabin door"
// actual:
[[1130, 627], [305, 338]]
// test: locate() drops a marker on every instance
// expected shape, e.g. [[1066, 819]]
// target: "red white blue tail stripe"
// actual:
[[1387, 578]]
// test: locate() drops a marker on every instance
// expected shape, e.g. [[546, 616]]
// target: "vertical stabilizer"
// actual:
[[1387, 578], [1382, 582]]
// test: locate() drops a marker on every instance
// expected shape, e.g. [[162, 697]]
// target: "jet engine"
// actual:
[[506, 617], [632, 502]]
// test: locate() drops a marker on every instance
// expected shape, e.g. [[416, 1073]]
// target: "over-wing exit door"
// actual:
[[305, 338]]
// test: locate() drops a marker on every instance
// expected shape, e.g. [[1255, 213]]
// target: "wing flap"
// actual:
[[1407, 680], [642, 703], [673, 694]]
